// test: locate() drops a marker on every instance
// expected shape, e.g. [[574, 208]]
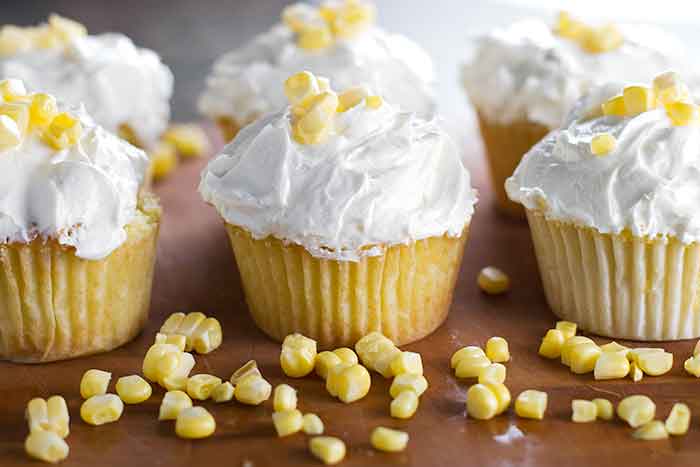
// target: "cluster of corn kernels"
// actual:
[[179, 141], [318, 28], [58, 32], [49, 425], [201, 334], [591, 39]]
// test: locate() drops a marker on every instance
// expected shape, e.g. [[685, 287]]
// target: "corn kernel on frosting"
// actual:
[[381, 177], [527, 71], [81, 195], [648, 185]]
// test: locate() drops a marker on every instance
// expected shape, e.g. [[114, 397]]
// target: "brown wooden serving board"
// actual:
[[196, 272]]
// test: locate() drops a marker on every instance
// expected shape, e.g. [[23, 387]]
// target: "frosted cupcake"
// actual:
[[77, 243], [126, 89], [523, 79], [612, 200], [338, 41], [345, 214]]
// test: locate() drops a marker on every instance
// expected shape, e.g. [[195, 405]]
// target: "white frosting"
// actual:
[[248, 82], [117, 82], [383, 178], [649, 185], [526, 72], [83, 196]]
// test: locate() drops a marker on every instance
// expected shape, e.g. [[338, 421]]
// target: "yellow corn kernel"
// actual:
[[654, 363], [133, 389], [222, 393], [569, 345], [249, 368], [531, 404], [377, 352], [19, 112], [349, 382], [252, 390], [404, 405], [347, 355], [683, 113], [10, 135], [163, 157], [638, 99], [189, 140], [636, 410], [325, 361], [493, 281], [172, 323], [567, 328], [201, 386], [66, 29], [298, 15], [177, 340], [470, 351], [668, 87], [388, 440], [583, 411], [568, 27], [497, 350], [37, 414], [635, 373], [471, 366], [611, 365], [633, 354], [374, 102], [692, 366], [614, 347], [101, 409], [313, 425], [604, 409], [287, 422], [352, 18], [63, 131], [603, 144], [207, 337], [602, 39], [14, 40], [482, 403], [300, 86], [407, 362], [502, 395], [178, 378], [189, 325], [678, 420], [172, 404], [327, 449], [194, 423], [94, 382], [314, 121], [59, 418], [45, 38], [651, 431], [298, 356], [551, 344], [315, 36], [615, 106], [416, 383], [12, 90], [284, 398], [46, 446], [583, 357], [153, 358], [495, 373], [351, 98]]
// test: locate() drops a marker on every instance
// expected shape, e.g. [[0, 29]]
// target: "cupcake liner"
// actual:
[[505, 145], [404, 293], [54, 305], [619, 286]]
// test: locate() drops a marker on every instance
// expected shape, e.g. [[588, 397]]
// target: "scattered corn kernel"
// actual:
[[297, 15], [495, 373], [207, 337], [569, 345], [351, 97], [583, 411], [614, 347], [692, 366], [172, 404], [678, 420], [172, 323], [493, 281], [497, 350], [10, 135], [249, 368], [502, 395], [13, 40], [482, 403], [37, 414], [567, 328], [635, 373], [531, 404], [101, 409], [683, 113], [63, 131], [568, 27], [603, 144], [327, 449], [313, 425], [416, 383], [471, 366], [348, 382], [223, 392], [287, 422], [388, 440], [189, 139], [315, 36], [285, 398], [374, 102], [59, 418], [163, 158], [638, 99], [177, 340], [654, 363], [377, 352], [551, 344], [636, 410], [404, 405], [18, 112], [194, 423], [651, 431], [46, 446], [615, 106], [42, 109], [94, 383], [252, 390], [583, 357], [201, 386], [133, 389], [407, 362], [298, 356], [179, 377], [301, 86], [347, 355], [668, 87], [469, 351], [602, 39], [66, 29], [12, 89], [325, 361], [604, 409], [313, 119], [611, 365]]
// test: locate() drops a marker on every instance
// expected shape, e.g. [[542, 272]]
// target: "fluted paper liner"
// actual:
[[405, 293], [619, 286], [54, 305]]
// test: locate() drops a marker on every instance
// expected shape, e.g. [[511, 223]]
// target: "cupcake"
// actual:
[[338, 41], [346, 215], [523, 79], [124, 88], [612, 201], [77, 241]]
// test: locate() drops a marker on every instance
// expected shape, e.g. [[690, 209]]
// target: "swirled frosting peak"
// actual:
[[375, 177]]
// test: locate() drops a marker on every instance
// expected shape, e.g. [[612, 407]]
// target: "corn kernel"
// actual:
[[133, 389], [638, 99], [651, 431], [223, 392], [315, 36], [482, 403], [497, 350], [63, 131], [531, 404], [298, 355], [12, 89], [583, 357], [14, 40], [407, 362], [172, 323], [388, 440], [45, 38], [347, 355], [101, 409], [472, 366], [327, 449], [313, 425], [178, 378], [207, 337], [252, 390], [678, 420], [189, 325], [351, 98], [583, 411], [249, 368], [615, 106], [603, 39], [153, 365], [654, 363], [551, 344], [201, 386], [604, 409], [37, 414], [416, 383], [692, 366], [636, 410], [567, 328], [668, 87], [352, 18], [177, 340], [301, 86], [59, 418], [46, 446], [66, 29], [348, 382], [683, 113], [10, 135], [325, 361], [313, 119], [189, 140], [611, 365], [298, 15], [603, 144], [502, 395], [495, 373], [569, 345], [614, 347], [374, 102], [635, 373], [163, 157], [493, 281], [194, 423], [377, 352], [469, 351], [568, 27], [287, 422], [18, 112], [94, 383], [285, 398], [404, 405], [172, 404]]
